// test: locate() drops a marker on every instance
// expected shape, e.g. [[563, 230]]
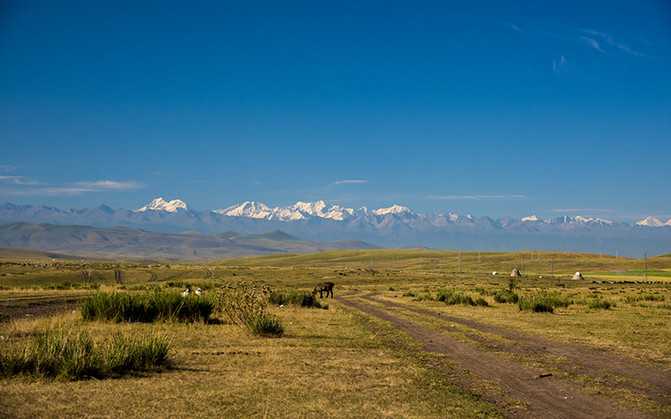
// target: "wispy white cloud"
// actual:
[[473, 197], [31, 188], [350, 181], [17, 180], [108, 184], [593, 43], [612, 42], [568, 38], [560, 66]]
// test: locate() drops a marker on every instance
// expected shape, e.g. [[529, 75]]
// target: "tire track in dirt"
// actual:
[[580, 359], [547, 397]]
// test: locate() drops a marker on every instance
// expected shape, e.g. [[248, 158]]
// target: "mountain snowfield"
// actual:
[[653, 222], [305, 210], [159, 204]]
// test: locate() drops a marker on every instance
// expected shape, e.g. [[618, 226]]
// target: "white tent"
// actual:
[[515, 272], [578, 275]]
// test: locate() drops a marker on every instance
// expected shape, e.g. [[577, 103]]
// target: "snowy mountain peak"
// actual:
[[249, 209], [650, 222], [530, 218], [395, 209], [159, 204]]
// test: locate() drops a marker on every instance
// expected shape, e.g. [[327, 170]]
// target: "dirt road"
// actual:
[[527, 376]]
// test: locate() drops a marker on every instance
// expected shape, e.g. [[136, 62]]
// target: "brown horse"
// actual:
[[324, 286]]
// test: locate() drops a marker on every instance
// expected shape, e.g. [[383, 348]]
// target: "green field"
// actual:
[[347, 362]]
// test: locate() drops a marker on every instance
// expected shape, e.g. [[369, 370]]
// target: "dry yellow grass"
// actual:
[[327, 364]]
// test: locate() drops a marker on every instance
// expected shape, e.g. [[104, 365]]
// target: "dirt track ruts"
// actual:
[[548, 396]]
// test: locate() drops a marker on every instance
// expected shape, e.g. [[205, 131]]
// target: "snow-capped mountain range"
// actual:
[[320, 209], [392, 227]]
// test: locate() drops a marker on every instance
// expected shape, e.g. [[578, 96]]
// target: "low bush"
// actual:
[[543, 301], [600, 303], [452, 297], [293, 297], [148, 307], [245, 306], [72, 355], [506, 296]]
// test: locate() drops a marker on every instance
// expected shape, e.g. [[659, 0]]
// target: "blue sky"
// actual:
[[478, 107]]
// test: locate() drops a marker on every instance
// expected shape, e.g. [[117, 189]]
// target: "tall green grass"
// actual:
[[72, 355], [147, 307]]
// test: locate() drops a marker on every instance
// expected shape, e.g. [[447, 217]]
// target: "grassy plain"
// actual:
[[336, 362]]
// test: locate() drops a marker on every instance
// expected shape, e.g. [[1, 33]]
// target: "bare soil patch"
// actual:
[[522, 390]]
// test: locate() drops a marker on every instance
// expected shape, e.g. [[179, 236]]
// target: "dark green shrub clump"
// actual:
[[452, 297], [506, 296], [543, 302], [148, 307], [72, 355], [293, 297], [600, 303]]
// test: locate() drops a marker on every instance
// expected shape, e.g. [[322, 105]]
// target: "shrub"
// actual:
[[452, 297], [481, 302], [148, 307], [543, 302], [602, 303], [72, 355], [245, 306], [506, 296]]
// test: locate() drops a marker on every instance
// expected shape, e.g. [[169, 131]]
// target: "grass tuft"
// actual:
[[452, 297], [72, 355], [543, 302]]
